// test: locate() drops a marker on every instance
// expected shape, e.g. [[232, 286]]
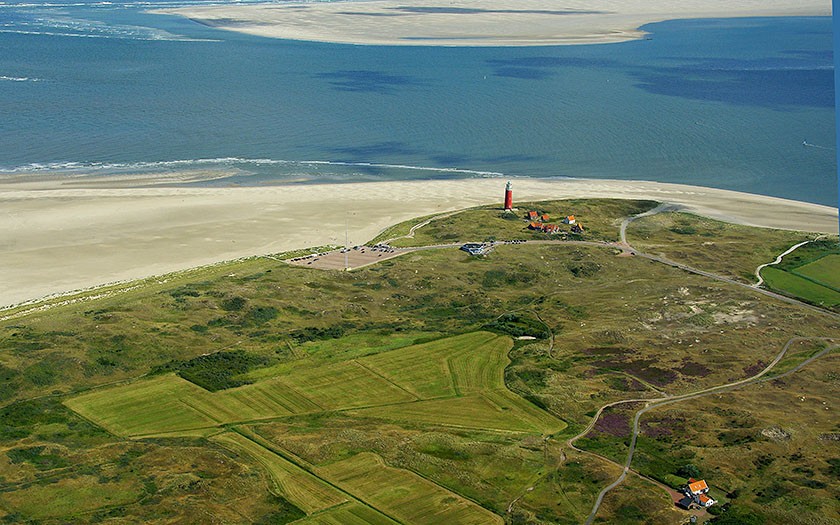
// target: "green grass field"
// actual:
[[471, 364], [404, 495], [792, 284], [148, 406], [825, 271]]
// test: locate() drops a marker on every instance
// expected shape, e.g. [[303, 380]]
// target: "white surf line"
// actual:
[[777, 261]]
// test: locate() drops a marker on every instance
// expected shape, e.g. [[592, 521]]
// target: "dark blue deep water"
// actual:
[[109, 88]]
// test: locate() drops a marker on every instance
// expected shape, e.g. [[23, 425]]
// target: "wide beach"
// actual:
[[477, 23], [61, 237]]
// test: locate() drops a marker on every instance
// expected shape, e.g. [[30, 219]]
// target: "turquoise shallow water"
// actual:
[[107, 88]]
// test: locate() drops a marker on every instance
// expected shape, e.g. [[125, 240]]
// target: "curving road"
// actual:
[[656, 403]]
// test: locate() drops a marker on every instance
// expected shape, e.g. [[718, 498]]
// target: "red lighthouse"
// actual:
[[508, 197]]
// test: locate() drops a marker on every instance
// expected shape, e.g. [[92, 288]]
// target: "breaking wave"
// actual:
[[224, 162], [20, 79]]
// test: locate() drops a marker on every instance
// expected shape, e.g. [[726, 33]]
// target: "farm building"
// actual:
[[544, 217], [696, 493], [569, 219], [532, 216]]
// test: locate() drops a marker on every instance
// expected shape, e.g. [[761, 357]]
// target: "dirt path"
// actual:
[[413, 229], [777, 261]]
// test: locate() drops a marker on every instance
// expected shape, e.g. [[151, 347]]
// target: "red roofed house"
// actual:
[[697, 487], [696, 491], [705, 500], [532, 215], [544, 217], [569, 220], [535, 226]]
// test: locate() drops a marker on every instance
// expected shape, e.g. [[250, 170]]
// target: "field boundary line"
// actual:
[[377, 374], [811, 279], [301, 394], [183, 401]]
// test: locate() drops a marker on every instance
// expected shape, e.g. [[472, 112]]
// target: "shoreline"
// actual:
[[474, 23], [61, 239]]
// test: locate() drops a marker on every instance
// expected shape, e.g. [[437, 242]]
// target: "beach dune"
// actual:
[[476, 22], [58, 238]]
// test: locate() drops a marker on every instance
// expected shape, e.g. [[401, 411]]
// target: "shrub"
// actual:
[[233, 304], [517, 326], [36, 457], [215, 371], [689, 471], [261, 314], [583, 268]]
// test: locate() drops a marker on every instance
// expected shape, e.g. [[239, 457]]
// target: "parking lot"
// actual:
[[351, 258]]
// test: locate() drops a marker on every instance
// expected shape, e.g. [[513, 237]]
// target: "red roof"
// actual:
[[697, 486], [532, 214], [545, 217], [704, 498]]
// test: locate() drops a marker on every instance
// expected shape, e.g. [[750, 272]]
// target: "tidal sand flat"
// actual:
[[477, 23], [60, 238]]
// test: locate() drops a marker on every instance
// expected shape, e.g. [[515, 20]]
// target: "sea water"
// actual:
[[103, 88]]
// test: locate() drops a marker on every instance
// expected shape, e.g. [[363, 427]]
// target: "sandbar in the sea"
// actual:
[[476, 22]]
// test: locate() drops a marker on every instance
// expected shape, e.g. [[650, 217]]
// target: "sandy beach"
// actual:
[[477, 22], [60, 238]]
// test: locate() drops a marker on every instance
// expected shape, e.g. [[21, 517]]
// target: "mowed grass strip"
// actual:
[[425, 368], [481, 368], [403, 494], [475, 411], [148, 406], [349, 514], [525, 411], [797, 286], [263, 400], [303, 489], [474, 366], [344, 385], [825, 270]]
